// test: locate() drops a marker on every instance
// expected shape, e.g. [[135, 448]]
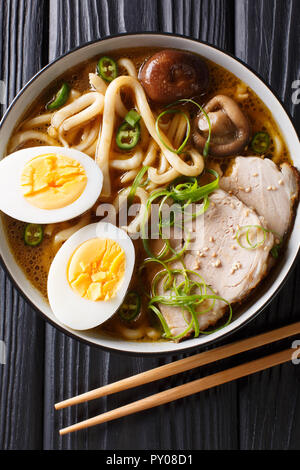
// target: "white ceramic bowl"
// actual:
[[47, 75]]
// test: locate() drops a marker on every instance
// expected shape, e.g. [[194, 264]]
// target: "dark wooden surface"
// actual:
[[43, 365]]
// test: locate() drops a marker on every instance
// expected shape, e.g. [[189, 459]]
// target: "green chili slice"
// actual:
[[107, 68], [60, 98], [33, 234], [131, 306], [132, 117], [127, 136], [260, 142]]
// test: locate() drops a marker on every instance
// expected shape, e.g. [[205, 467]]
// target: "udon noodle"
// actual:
[[88, 122]]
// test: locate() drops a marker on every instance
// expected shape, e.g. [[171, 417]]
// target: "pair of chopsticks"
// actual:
[[182, 365]]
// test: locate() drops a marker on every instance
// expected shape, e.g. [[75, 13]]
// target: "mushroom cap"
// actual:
[[231, 129], [170, 75]]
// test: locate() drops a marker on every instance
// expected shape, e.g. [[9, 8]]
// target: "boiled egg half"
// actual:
[[90, 275], [43, 185]]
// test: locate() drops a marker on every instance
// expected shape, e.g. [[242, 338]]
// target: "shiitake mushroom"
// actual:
[[170, 75], [230, 128]]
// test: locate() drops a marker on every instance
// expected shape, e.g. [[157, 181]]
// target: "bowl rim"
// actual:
[[124, 351]]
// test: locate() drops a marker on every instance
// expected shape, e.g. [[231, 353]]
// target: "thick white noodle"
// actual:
[[129, 176], [129, 66], [99, 85], [21, 137], [129, 163], [83, 109], [104, 141], [89, 136], [63, 235], [37, 121]]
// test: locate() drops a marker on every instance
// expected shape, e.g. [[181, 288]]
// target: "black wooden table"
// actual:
[[43, 365]]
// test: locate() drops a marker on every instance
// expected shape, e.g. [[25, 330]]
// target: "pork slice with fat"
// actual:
[[270, 190]]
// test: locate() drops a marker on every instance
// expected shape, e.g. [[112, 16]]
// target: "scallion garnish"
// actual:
[[136, 183], [181, 290], [245, 230], [132, 117], [188, 130]]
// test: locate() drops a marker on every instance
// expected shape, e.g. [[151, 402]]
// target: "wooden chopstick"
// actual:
[[184, 390], [182, 365]]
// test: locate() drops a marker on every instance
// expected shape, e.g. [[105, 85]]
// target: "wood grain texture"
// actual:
[[268, 39], [77, 368], [21, 378]]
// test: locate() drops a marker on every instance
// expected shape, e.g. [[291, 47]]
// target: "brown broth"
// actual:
[[36, 262]]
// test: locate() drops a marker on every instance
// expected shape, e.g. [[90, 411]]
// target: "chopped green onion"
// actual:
[[127, 136], [188, 130], [107, 68], [130, 307], [181, 293], [132, 117], [136, 183], [33, 234], [60, 98], [260, 142], [252, 246]]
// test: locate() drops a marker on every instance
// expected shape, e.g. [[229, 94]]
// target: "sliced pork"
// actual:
[[231, 270], [270, 190]]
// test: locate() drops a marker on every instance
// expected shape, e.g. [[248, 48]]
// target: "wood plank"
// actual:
[[267, 36], [207, 421], [21, 378]]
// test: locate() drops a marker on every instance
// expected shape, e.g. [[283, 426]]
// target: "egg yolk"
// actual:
[[96, 269], [53, 181]]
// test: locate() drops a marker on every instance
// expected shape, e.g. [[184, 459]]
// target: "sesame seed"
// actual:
[[232, 205], [247, 190], [269, 188], [246, 212], [230, 192], [280, 182], [214, 254], [211, 239], [218, 263], [205, 248], [255, 174], [240, 188], [234, 247]]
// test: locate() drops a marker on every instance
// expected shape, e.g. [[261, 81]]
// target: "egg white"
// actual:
[[14, 204], [71, 309]]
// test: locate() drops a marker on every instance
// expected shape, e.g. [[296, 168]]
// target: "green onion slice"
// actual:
[[136, 183], [60, 98], [252, 246], [132, 117]]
